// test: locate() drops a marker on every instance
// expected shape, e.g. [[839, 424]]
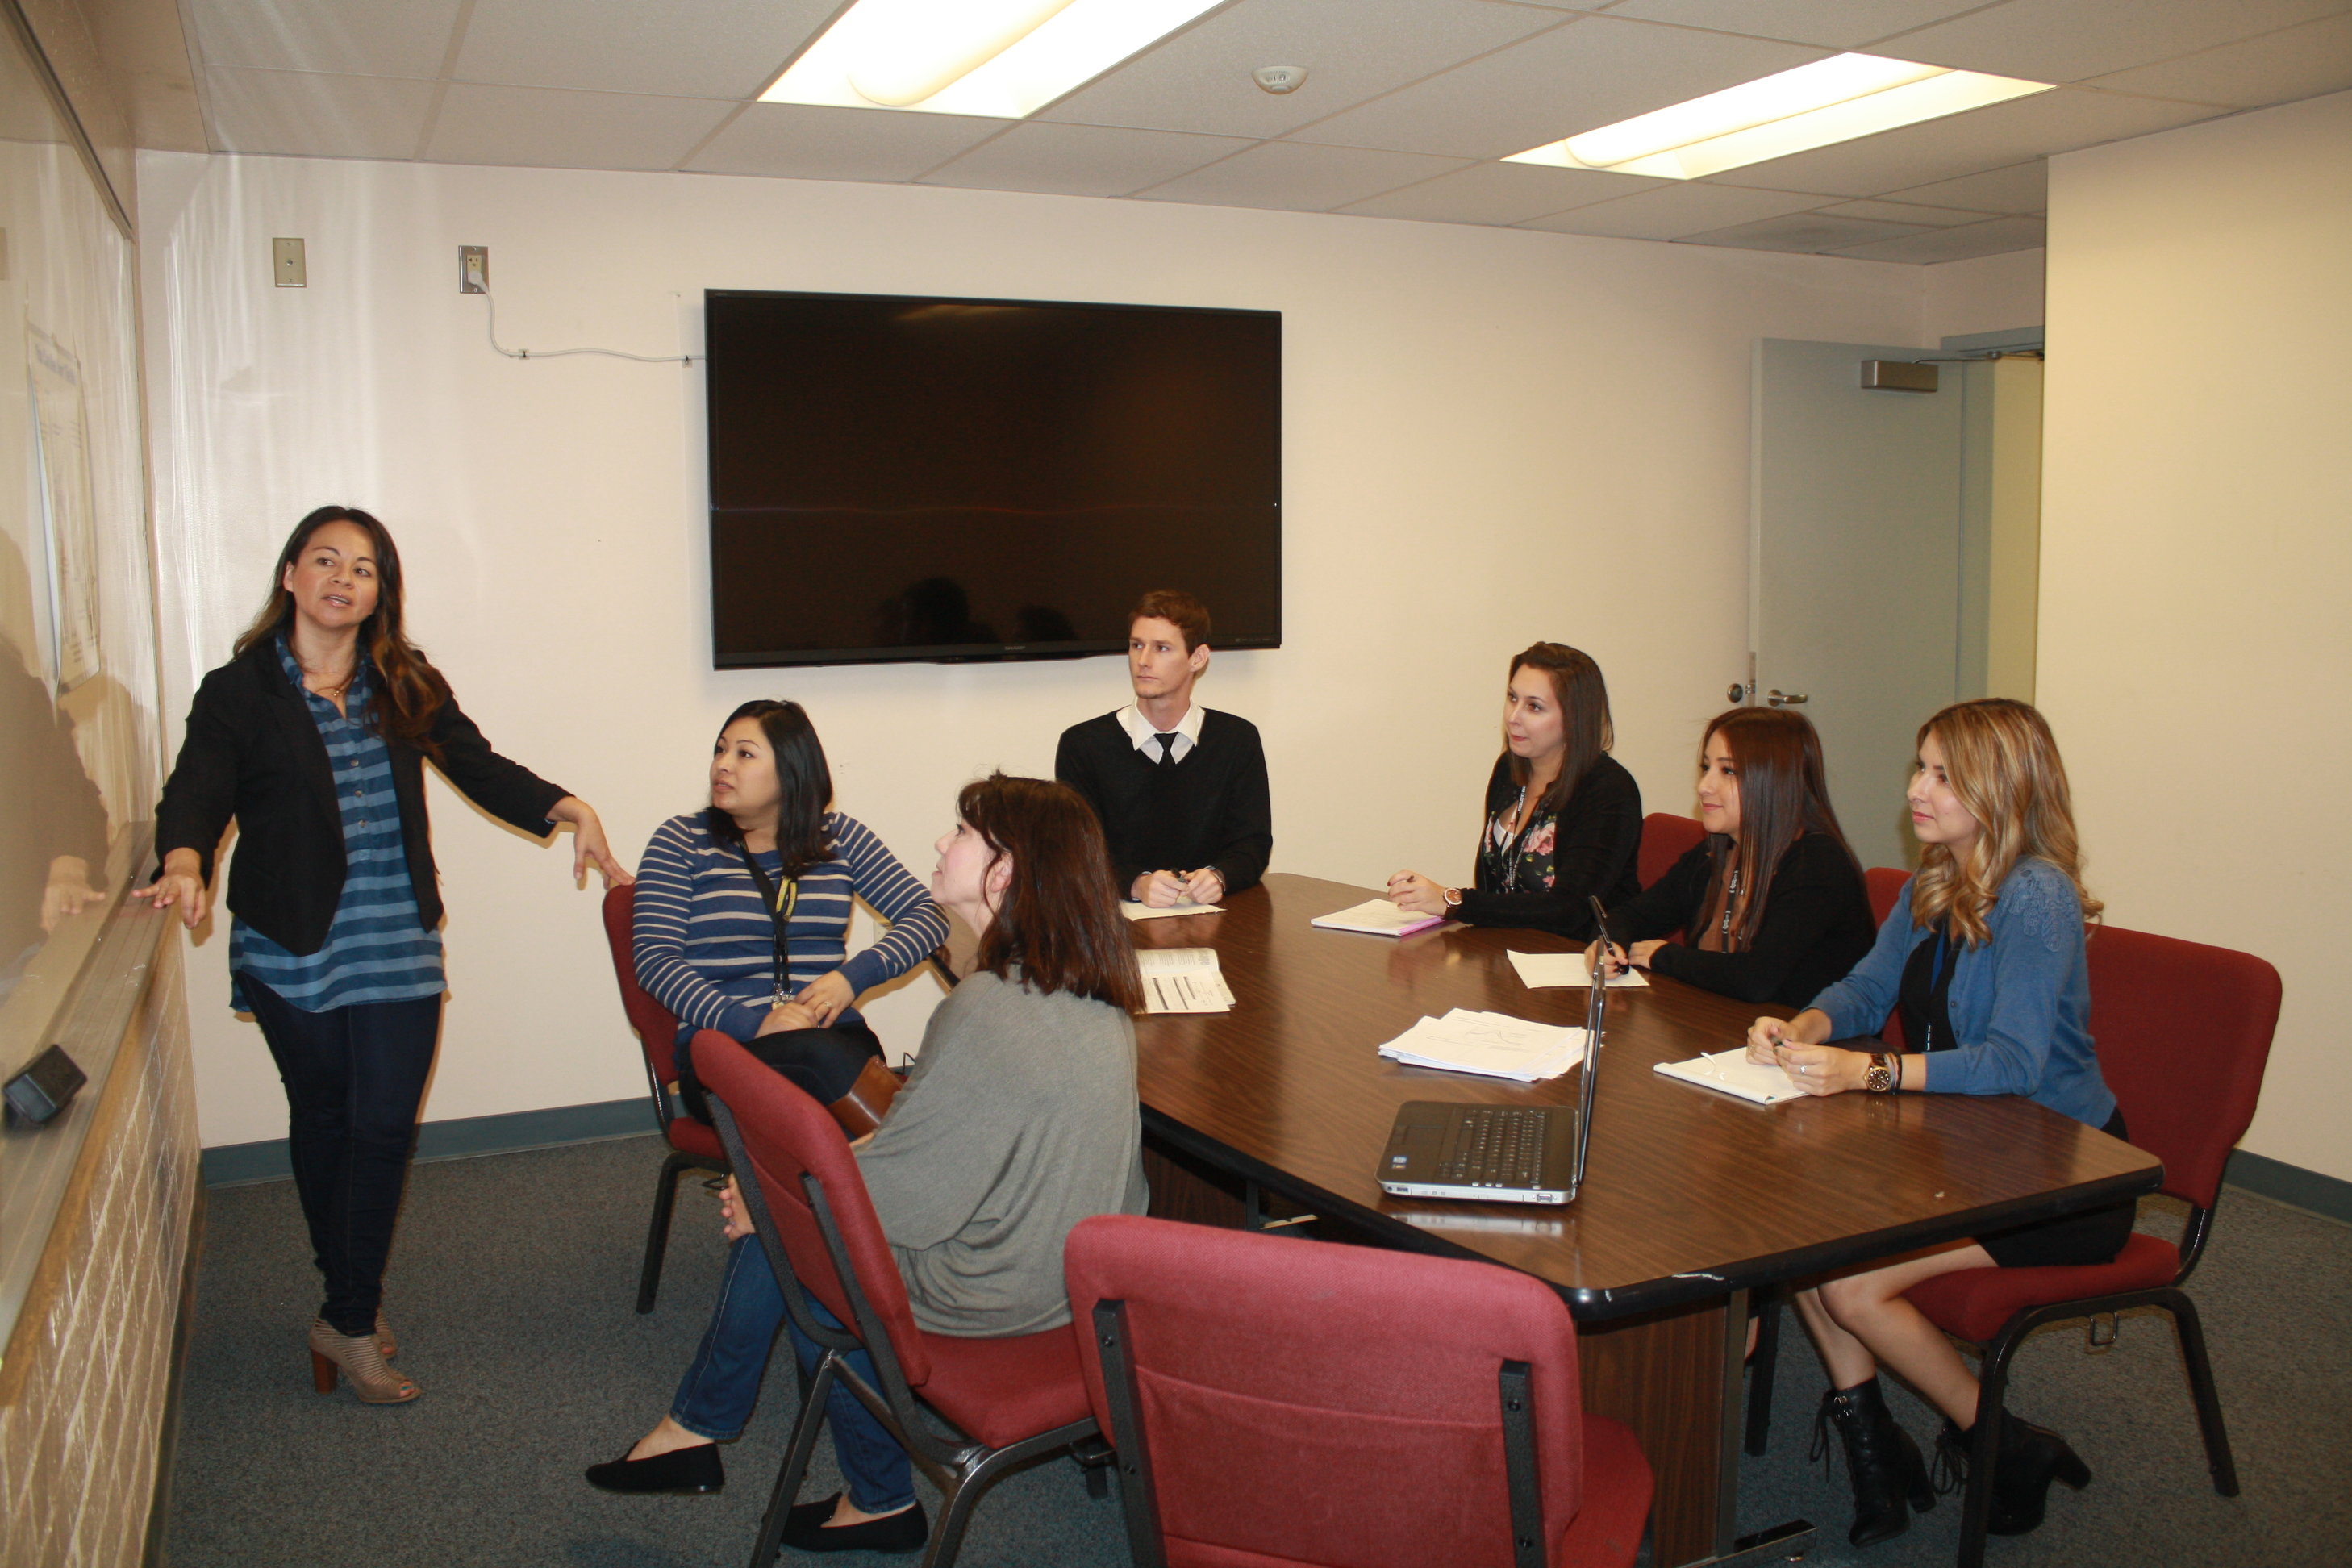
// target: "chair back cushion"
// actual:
[[1305, 1402], [787, 1135], [1885, 885], [656, 1026], [2183, 1031], [1665, 838]]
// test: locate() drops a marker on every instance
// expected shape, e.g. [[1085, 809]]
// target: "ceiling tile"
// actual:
[[1905, 212], [1674, 211], [1809, 233], [356, 37], [800, 141], [2067, 40], [1300, 178], [544, 128], [1963, 244], [1352, 49], [1988, 138], [711, 48], [2019, 188], [1835, 24], [1593, 72], [2277, 68], [315, 115], [1082, 160], [1501, 193]]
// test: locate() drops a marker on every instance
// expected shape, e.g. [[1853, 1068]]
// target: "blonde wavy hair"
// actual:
[[2002, 763]]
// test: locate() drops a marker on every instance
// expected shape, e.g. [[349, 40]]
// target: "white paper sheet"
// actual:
[[1184, 980], [1730, 1072], [1136, 912], [1539, 970], [1379, 917], [1493, 1045]]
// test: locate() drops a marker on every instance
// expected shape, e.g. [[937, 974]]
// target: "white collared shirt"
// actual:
[[1139, 731]]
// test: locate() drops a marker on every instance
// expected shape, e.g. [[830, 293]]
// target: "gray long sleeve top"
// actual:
[[1019, 1121]]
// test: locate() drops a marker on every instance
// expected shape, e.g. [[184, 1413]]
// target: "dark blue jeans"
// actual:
[[716, 1395], [354, 1076]]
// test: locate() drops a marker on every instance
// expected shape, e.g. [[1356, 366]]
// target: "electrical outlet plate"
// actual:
[[287, 264], [473, 269]]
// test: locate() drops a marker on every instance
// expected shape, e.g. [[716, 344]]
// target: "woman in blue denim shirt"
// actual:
[[1983, 957]]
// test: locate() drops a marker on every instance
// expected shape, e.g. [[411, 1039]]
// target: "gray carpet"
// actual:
[[514, 1278]]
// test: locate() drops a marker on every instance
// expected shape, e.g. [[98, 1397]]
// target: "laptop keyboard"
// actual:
[[1495, 1146]]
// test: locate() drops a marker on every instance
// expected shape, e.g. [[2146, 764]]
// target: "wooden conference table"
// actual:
[[1690, 1199]]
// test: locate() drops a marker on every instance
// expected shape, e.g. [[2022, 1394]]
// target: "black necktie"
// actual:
[[1167, 747]]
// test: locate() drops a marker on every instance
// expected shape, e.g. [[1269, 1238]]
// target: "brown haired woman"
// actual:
[[1019, 1121], [1771, 907], [1563, 817], [1983, 957], [314, 738]]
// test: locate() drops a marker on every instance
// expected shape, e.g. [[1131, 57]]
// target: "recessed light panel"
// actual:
[[1815, 105], [1003, 59]]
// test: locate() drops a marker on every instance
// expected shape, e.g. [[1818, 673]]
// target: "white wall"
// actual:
[[1987, 294], [1474, 421], [2196, 647]]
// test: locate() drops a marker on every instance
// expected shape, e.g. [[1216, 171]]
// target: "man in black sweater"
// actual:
[[1181, 789]]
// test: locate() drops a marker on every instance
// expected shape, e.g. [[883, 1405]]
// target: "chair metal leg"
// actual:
[[1761, 1369], [1984, 1448], [796, 1463], [658, 1233], [2191, 1333]]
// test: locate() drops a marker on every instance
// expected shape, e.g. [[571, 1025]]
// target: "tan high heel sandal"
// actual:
[[384, 1339], [358, 1358]]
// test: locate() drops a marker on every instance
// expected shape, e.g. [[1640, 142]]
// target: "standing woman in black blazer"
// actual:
[[1563, 817], [314, 738], [1770, 907]]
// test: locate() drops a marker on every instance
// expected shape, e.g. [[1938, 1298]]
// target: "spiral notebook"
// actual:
[[1730, 1072]]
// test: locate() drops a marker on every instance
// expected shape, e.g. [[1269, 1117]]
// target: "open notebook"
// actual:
[[1379, 917], [1730, 1072]]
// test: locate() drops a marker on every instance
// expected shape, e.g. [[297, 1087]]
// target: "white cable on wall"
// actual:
[[491, 331]]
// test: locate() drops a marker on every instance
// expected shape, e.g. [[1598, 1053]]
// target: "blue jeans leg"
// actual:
[[881, 1479]]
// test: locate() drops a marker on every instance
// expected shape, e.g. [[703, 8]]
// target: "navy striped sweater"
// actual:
[[704, 946]]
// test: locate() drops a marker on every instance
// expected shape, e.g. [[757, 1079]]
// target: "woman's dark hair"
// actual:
[[409, 690], [1784, 794], [800, 773], [1582, 698], [1059, 918]]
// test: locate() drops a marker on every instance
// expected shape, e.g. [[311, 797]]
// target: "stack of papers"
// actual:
[[1136, 912], [1494, 1045], [1538, 970], [1730, 1072], [1184, 980], [1381, 917]]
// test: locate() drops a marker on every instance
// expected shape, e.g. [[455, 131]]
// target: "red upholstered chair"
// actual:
[[1013, 1399], [1665, 838], [2183, 1032], [692, 1145], [1275, 1401], [1885, 885]]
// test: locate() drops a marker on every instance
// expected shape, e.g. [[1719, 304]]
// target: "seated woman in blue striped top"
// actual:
[[706, 944]]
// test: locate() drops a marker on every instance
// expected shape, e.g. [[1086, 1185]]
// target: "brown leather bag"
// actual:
[[861, 1110]]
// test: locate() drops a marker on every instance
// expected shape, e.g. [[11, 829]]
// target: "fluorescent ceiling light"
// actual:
[[1003, 59], [1815, 105]]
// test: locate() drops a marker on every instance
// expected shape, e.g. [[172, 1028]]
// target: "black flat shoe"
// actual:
[[805, 1530], [683, 1472]]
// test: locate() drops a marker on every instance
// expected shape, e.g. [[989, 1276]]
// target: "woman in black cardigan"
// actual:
[[314, 739], [1563, 817], [1771, 907]]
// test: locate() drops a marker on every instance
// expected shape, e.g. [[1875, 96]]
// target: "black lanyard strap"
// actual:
[[780, 914]]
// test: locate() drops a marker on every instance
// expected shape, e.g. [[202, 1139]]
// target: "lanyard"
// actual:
[[1939, 987], [780, 913]]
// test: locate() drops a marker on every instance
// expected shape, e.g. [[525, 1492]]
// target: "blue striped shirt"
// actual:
[[705, 946], [377, 947]]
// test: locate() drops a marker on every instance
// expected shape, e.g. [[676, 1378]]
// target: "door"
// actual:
[[1855, 568]]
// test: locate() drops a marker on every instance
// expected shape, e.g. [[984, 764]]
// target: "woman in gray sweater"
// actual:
[[1019, 1121]]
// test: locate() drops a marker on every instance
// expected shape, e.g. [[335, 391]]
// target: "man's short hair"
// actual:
[[1178, 608]]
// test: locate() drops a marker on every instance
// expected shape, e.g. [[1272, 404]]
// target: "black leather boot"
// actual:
[[2031, 1457], [1880, 1457]]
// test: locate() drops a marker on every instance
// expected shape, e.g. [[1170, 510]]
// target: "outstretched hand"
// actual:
[[588, 846]]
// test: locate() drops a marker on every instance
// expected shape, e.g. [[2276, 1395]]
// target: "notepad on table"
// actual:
[[1491, 1045], [1730, 1072], [1539, 970], [1136, 912], [1379, 917], [1184, 980]]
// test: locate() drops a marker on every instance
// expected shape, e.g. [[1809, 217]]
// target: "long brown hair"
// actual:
[[805, 777], [2002, 763], [1582, 698], [1784, 794], [409, 690], [1059, 918]]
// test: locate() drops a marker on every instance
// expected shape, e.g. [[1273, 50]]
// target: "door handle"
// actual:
[[1780, 699]]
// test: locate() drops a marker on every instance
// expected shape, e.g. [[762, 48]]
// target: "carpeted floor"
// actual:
[[514, 1278]]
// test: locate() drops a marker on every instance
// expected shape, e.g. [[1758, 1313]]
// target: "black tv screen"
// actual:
[[901, 477]]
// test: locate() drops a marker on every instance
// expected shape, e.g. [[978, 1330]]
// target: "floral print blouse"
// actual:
[[1520, 863]]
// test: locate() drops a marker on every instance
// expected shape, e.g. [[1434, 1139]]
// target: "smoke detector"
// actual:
[[1279, 79]]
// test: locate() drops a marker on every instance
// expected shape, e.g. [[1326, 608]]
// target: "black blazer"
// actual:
[[1816, 924], [253, 752], [1593, 849]]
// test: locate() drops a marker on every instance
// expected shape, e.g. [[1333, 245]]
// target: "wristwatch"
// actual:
[[1453, 897], [1880, 1078]]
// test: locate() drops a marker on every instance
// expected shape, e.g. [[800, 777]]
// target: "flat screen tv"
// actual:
[[898, 477]]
